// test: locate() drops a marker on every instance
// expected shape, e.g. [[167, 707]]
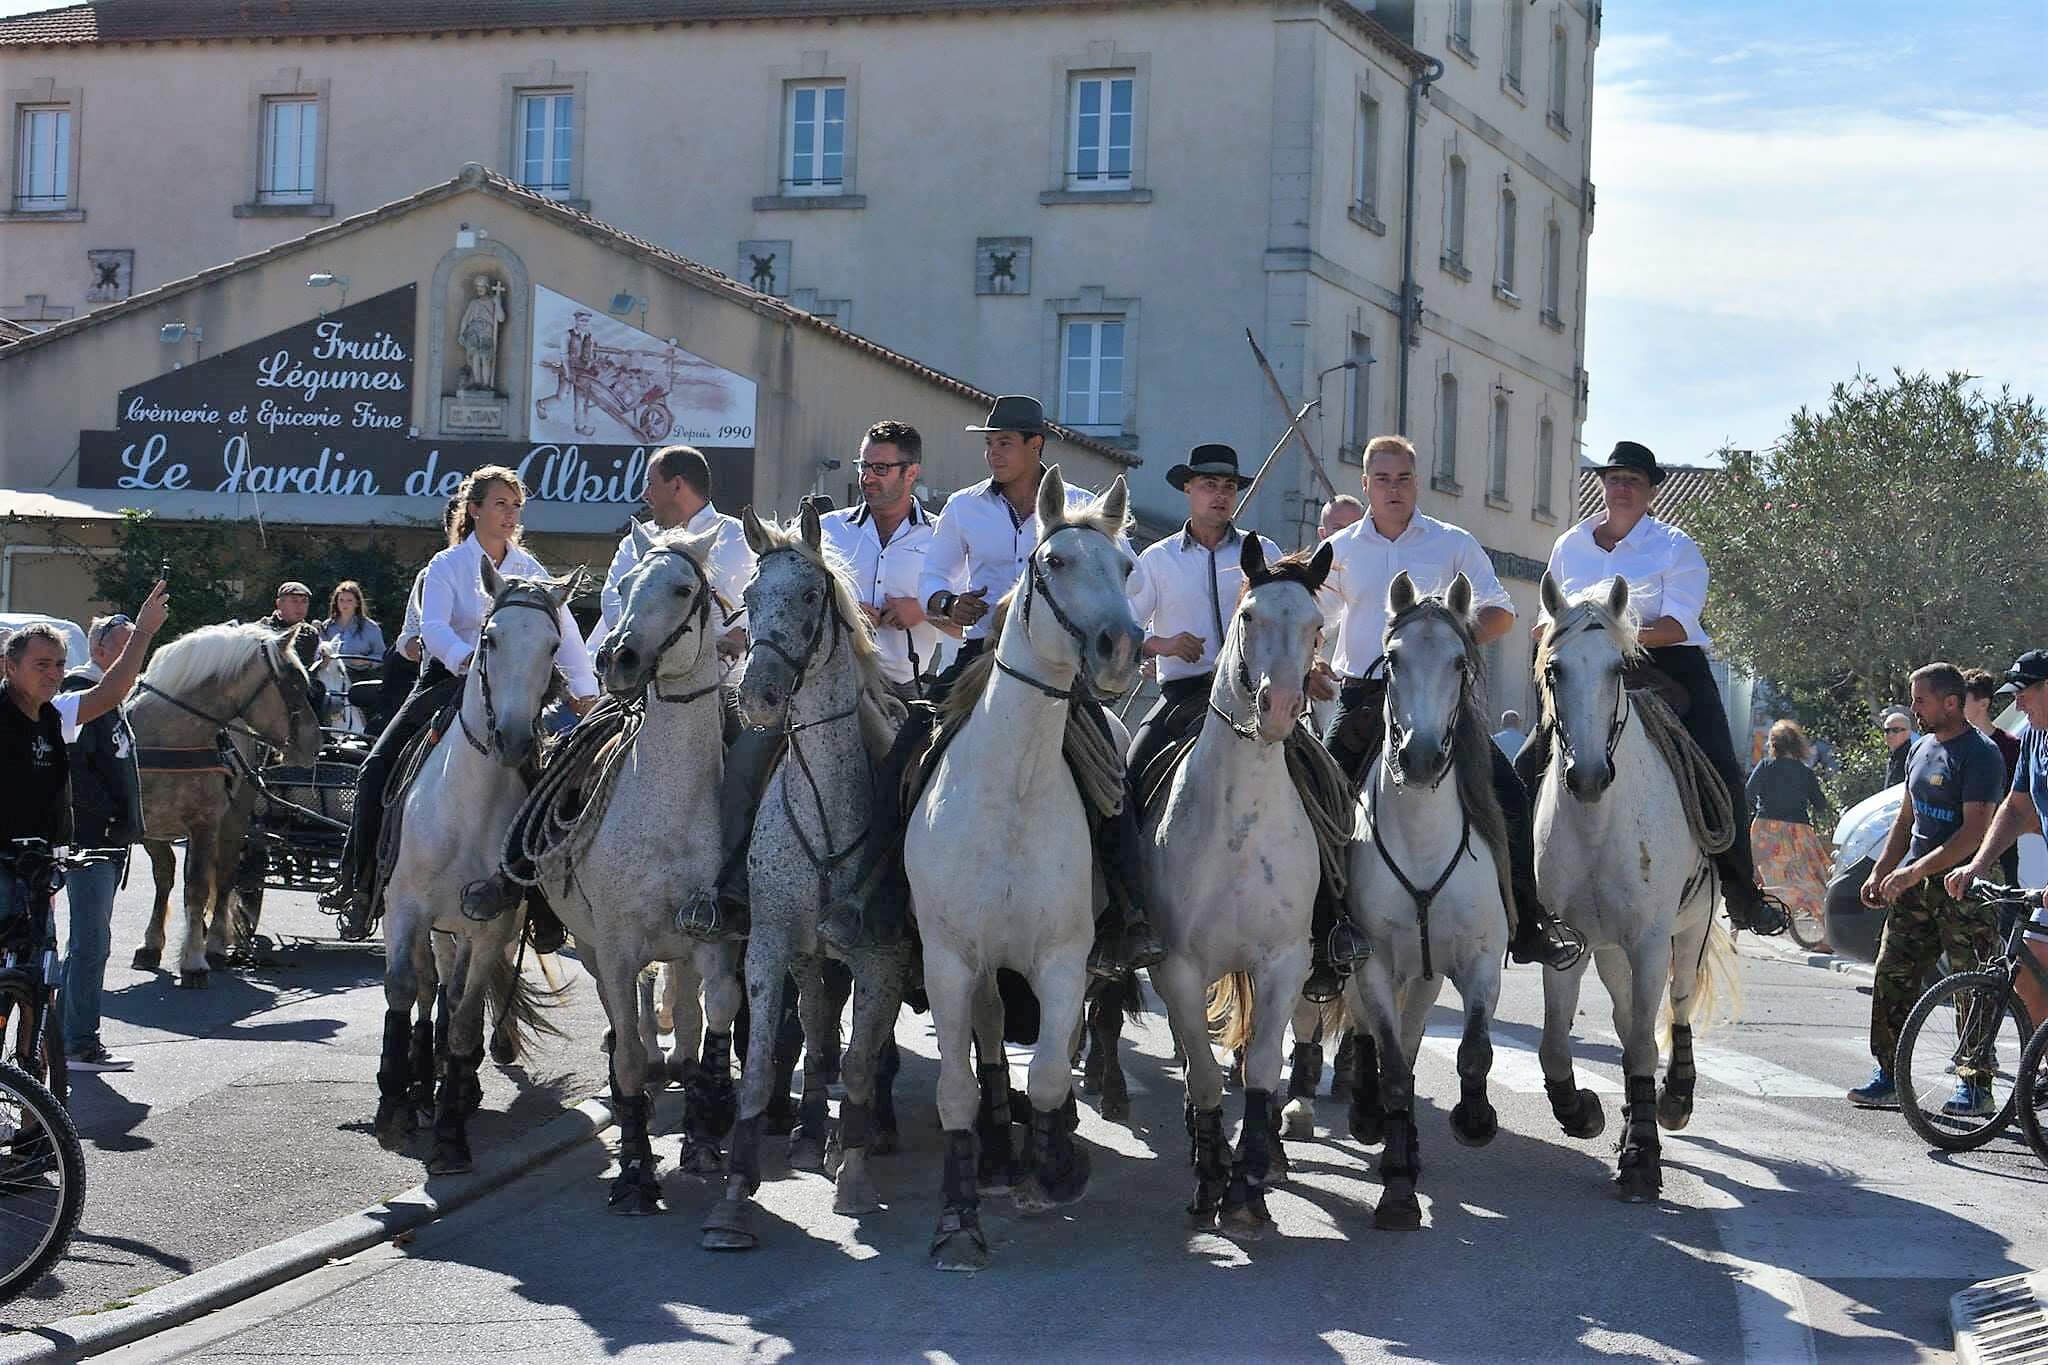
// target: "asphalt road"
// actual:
[[1792, 1228]]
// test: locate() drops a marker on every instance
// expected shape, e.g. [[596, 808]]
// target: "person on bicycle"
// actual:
[[106, 818], [2025, 808], [1952, 783], [38, 722]]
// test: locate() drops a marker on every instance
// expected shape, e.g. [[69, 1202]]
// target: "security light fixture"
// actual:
[[624, 303], [172, 333]]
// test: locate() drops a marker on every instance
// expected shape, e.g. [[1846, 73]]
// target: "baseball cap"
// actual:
[[2030, 668], [291, 587]]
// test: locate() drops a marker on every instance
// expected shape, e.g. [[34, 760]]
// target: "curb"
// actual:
[[1825, 961], [2005, 1319], [253, 1272]]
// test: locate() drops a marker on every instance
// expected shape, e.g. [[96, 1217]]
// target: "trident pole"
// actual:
[[1278, 445]]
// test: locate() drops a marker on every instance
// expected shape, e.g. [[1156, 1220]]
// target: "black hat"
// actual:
[[2030, 668], [1214, 458], [1629, 455], [1016, 412]]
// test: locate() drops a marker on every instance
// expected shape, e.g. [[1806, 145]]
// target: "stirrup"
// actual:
[[705, 917], [1766, 916], [1556, 945], [477, 909]]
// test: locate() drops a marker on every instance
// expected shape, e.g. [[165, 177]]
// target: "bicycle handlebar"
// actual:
[[1992, 893]]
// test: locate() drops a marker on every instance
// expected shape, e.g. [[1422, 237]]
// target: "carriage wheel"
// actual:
[[654, 421]]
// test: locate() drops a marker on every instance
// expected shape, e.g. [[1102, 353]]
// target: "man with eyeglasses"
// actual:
[[1898, 737]]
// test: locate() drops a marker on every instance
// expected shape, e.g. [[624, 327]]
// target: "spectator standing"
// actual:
[[1788, 808], [1952, 781], [1897, 722], [1511, 736], [1979, 687], [348, 625]]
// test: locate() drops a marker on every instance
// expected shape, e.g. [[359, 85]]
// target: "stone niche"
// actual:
[[481, 326]]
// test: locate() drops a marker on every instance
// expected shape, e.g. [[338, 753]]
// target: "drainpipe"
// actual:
[[1411, 321]]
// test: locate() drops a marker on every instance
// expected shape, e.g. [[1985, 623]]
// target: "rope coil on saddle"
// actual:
[[560, 816], [1709, 805]]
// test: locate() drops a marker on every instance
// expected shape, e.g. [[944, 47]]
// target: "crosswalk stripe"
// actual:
[[1516, 1068]]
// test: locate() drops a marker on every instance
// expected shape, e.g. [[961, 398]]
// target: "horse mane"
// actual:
[[212, 658], [1588, 611], [881, 712]]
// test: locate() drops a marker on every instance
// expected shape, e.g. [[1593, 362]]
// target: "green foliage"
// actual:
[[1894, 527]]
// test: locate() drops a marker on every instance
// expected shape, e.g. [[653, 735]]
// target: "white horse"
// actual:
[[1616, 861], [998, 853], [330, 670], [1232, 869], [1428, 886], [812, 673], [453, 833], [615, 878]]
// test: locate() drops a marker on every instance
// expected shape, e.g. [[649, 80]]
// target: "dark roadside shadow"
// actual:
[[106, 1118], [234, 994]]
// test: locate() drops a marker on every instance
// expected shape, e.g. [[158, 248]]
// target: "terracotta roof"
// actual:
[[480, 180], [148, 21], [1687, 487]]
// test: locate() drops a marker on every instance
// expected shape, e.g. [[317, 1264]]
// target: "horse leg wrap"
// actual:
[[1058, 1165], [998, 1160], [452, 1106], [1255, 1147], [1368, 1115], [710, 1105], [1208, 1156], [1306, 1073], [743, 1157], [715, 1056], [961, 1163], [1473, 1120], [1400, 1160], [1565, 1101], [631, 1113], [1679, 1077], [856, 1124], [395, 1063], [1639, 1174], [885, 1087], [814, 1114]]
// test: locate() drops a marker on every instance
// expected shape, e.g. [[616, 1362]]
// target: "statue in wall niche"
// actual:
[[478, 335]]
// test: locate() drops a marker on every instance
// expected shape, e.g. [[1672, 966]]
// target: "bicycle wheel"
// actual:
[[1808, 930], [2030, 1098], [1967, 1026], [42, 1180]]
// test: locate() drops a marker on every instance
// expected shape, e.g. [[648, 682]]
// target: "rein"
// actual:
[[1424, 899], [692, 620], [233, 723], [1035, 585], [1395, 732], [483, 670]]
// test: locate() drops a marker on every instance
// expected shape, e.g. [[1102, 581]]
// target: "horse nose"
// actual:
[[1586, 781], [1265, 699], [625, 656]]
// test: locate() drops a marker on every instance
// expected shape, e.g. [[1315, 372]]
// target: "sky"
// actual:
[[1790, 192]]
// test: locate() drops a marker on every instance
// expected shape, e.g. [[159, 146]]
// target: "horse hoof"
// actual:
[[1244, 1224], [855, 1193], [1040, 1194], [192, 981], [1639, 1185], [217, 961], [806, 1153], [1278, 1169], [1298, 1121], [1398, 1211], [1370, 1129], [1592, 1118], [1116, 1106], [632, 1198], [1091, 1084], [730, 1226], [962, 1249], [450, 1160], [1674, 1111], [700, 1158], [147, 959], [396, 1131], [1474, 1126], [503, 1052]]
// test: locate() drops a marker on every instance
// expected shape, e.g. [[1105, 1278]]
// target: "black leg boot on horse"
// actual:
[[637, 1188], [458, 1097], [395, 1123], [1639, 1171], [958, 1243], [1056, 1167], [995, 1169], [1244, 1200], [1209, 1154], [710, 1104], [730, 1224]]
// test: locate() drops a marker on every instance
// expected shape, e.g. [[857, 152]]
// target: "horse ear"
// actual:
[[1459, 598], [1252, 559], [1552, 597], [1617, 597], [1319, 566], [813, 533], [757, 534], [493, 582], [1052, 501], [643, 540], [1115, 504], [562, 589], [1400, 593]]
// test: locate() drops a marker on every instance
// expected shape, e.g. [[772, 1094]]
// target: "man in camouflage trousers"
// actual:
[[1954, 779]]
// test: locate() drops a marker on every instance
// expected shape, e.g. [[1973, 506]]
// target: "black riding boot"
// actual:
[[544, 928], [1124, 940], [722, 911], [1336, 947], [1537, 936]]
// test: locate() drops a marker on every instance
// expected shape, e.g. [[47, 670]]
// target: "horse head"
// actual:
[[293, 706], [1591, 639], [665, 625], [1431, 666], [1084, 622], [1272, 640], [794, 619], [515, 656]]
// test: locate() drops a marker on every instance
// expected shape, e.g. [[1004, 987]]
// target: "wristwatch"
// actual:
[[944, 601]]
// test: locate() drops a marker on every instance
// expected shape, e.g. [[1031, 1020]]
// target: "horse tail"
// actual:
[[519, 1003], [1230, 1011], [1128, 993], [1331, 1017], [1716, 983]]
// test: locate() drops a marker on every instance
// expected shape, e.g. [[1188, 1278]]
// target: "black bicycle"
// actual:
[[42, 1164], [1958, 1067]]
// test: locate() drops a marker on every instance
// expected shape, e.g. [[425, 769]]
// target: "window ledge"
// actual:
[[262, 210], [1454, 266], [1512, 88], [1506, 295], [1351, 454], [1544, 515], [1445, 484], [1552, 320], [1366, 219], [770, 203], [1463, 47], [1107, 435], [1557, 125], [1499, 503], [1133, 196], [42, 215]]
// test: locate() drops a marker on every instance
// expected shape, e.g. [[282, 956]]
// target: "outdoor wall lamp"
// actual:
[[172, 333], [623, 303], [324, 279]]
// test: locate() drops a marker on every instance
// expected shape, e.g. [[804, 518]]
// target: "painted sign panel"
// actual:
[[325, 407], [596, 378]]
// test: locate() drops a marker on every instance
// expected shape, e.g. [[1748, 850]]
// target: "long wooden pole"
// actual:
[[1315, 462], [1260, 473]]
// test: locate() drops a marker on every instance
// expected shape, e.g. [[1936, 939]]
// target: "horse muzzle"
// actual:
[[1588, 780], [764, 694], [514, 747], [1422, 759], [626, 668], [1114, 656], [1279, 711]]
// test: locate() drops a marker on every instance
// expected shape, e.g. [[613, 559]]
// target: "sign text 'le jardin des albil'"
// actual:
[[325, 407]]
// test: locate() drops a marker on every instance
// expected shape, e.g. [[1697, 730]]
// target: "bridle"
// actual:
[[1242, 675], [1395, 733], [232, 723], [697, 618], [1037, 585], [515, 595], [1615, 725]]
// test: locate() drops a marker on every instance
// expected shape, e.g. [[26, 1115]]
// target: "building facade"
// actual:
[[1091, 202]]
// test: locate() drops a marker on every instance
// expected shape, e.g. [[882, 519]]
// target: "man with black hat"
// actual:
[[1184, 592], [979, 546], [1395, 538], [1667, 587]]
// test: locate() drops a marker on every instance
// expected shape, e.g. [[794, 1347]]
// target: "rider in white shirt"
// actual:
[[1392, 538], [1667, 589], [885, 541], [679, 494], [979, 547], [453, 605]]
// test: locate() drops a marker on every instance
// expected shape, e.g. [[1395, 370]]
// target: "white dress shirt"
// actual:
[[1362, 568], [1666, 573], [453, 605], [978, 542], [1182, 585], [410, 631], [732, 564], [881, 572]]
